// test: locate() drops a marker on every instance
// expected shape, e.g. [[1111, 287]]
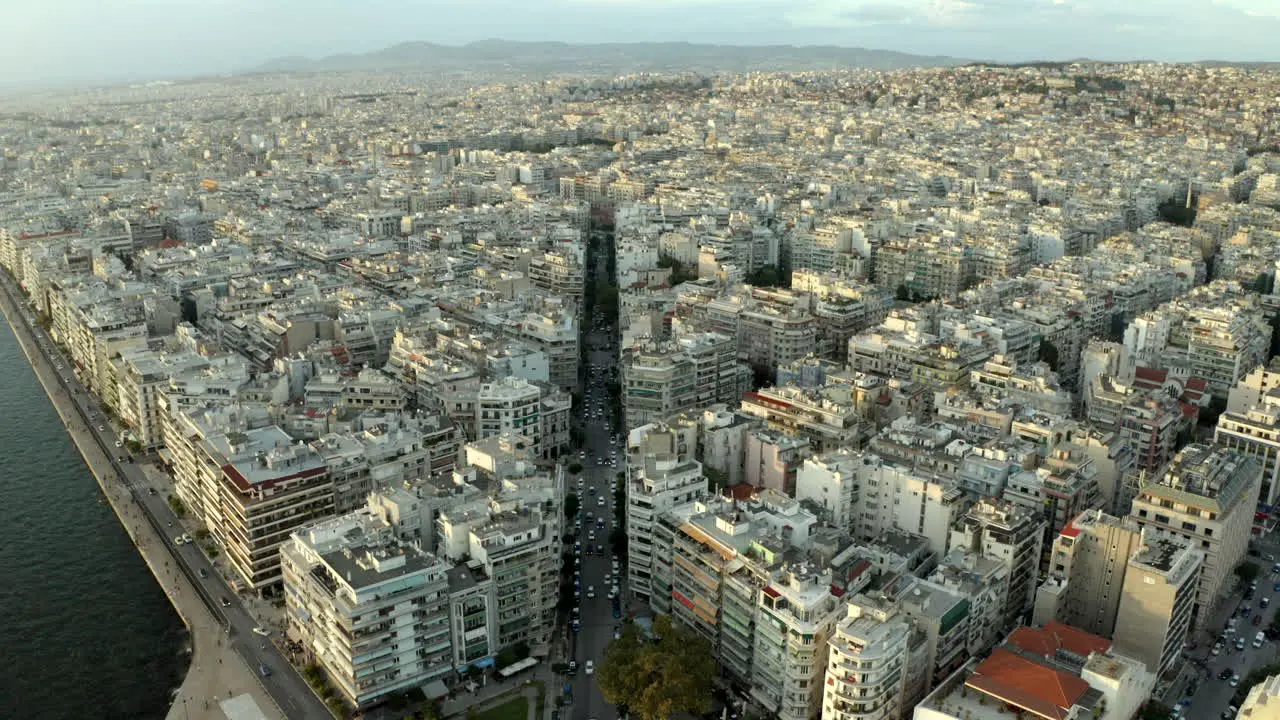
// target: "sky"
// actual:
[[61, 41]]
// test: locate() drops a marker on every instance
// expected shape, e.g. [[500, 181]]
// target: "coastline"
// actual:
[[214, 671]]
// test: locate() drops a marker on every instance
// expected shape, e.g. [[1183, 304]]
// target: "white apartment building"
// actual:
[[655, 486], [869, 666], [830, 481], [510, 406], [372, 612], [892, 496]]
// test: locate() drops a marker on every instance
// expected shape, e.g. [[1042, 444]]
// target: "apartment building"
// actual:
[[830, 482], [558, 273], [1207, 498], [373, 612], [1263, 701], [1009, 534], [142, 379], [256, 487], [825, 415], [1157, 608], [662, 378], [869, 666], [1255, 431], [796, 615], [655, 486]]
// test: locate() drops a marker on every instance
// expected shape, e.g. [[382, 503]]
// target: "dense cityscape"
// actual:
[[938, 393]]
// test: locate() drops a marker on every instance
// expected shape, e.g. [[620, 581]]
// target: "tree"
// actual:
[[1262, 284], [1156, 711], [571, 505], [680, 273], [765, 276], [575, 468], [1049, 354], [658, 679], [1247, 571], [1176, 212]]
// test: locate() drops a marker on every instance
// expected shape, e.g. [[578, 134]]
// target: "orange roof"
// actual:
[[1027, 684], [1056, 636]]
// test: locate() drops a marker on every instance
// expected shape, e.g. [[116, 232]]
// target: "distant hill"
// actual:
[[555, 57]]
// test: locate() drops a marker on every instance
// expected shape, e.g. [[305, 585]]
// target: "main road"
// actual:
[[286, 687], [601, 451]]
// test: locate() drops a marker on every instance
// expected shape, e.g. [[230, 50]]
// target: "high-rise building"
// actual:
[[372, 612], [1156, 608], [655, 486], [1207, 498], [868, 667]]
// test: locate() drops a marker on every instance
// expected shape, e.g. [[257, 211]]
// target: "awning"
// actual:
[[435, 690]]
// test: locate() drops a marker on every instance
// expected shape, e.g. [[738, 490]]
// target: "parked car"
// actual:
[[264, 671]]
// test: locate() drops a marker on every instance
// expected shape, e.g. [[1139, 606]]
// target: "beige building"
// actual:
[[1208, 498], [1263, 702], [1154, 622]]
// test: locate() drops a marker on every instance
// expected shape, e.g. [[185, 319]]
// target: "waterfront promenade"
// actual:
[[219, 685]]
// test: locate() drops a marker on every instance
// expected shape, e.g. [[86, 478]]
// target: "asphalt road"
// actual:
[[1213, 696], [286, 687], [597, 618]]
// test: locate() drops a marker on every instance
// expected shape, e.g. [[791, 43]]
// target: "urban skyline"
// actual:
[[124, 41]]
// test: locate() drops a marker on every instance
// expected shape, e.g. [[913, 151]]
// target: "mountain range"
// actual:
[[556, 57]]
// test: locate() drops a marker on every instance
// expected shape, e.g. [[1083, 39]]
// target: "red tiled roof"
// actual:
[[741, 491], [1027, 684], [1070, 530], [1153, 374], [1056, 636]]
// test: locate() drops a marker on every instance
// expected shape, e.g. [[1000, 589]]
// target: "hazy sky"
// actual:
[[56, 40]]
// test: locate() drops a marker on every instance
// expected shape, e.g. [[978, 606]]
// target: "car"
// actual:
[[1217, 649], [178, 540], [1234, 681], [1264, 602], [573, 666], [225, 602], [591, 668], [1226, 674], [577, 594], [591, 591], [617, 634], [151, 491], [119, 443], [1245, 611], [1239, 643], [577, 626], [262, 631], [186, 538], [1231, 712], [203, 573], [264, 671], [102, 428]]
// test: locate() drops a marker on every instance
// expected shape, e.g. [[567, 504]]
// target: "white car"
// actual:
[[262, 631], [591, 667], [591, 591], [186, 538], [178, 540]]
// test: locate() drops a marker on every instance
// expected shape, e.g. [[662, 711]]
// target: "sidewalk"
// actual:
[[216, 673]]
